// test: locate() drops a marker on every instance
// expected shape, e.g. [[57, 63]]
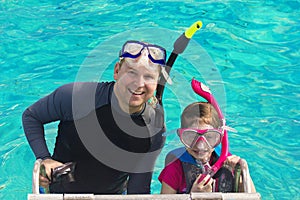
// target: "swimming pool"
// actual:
[[251, 52]]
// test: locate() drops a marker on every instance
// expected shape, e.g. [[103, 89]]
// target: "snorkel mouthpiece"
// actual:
[[183, 40], [203, 91], [192, 29]]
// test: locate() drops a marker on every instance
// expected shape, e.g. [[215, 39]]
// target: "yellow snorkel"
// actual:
[[182, 42], [191, 31], [179, 46]]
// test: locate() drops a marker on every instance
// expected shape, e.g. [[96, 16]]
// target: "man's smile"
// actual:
[[136, 92]]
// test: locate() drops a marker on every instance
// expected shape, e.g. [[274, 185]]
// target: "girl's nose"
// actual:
[[201, 144]]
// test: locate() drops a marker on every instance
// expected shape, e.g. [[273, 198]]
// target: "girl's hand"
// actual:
[[232, 161], [203, 183]]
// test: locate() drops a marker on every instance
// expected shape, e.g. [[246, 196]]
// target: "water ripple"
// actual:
[[253, 46]]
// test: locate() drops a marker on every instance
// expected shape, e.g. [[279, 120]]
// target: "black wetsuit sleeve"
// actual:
[[139, 183], [56, 106], [59, 106]]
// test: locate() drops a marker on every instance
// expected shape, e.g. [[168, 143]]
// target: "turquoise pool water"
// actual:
[[247, 52]]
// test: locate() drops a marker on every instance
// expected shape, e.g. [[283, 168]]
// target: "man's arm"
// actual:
[[56, 106]]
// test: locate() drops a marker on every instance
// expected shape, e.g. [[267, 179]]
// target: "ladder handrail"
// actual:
[[245, 176], [35, 176]]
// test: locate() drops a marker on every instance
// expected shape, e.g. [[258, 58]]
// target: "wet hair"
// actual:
[[122, 60], [200, 113]]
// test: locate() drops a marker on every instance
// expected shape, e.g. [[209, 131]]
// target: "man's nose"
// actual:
[[139, 81]]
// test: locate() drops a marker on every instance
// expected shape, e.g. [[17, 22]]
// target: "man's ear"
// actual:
[[116, 70]]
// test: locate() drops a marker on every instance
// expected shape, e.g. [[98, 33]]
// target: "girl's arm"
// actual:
[[166, 189]]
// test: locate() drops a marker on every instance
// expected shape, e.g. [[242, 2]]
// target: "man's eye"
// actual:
[[131, 72], [149, 77]]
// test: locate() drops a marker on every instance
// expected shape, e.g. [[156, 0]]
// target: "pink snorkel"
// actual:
[[205, 92]]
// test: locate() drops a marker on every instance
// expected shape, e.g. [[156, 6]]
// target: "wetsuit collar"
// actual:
[[116, 106]]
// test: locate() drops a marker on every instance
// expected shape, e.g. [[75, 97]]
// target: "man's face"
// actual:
[[135, 84]]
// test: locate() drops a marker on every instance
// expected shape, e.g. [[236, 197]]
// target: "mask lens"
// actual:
[[189, 138], [213, 138], [156, 53], [133, 48]]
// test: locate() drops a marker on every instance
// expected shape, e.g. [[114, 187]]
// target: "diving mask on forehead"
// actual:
[[151, 56], [133, 49]]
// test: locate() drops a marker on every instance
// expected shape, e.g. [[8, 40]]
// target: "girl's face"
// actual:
[[201, 151]]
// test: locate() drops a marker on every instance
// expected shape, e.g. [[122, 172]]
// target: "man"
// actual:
[[110, 130]]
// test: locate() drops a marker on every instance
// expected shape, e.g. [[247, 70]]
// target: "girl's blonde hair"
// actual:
[[200, 113]]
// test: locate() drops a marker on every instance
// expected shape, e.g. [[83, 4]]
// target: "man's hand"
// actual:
[[45, 171]]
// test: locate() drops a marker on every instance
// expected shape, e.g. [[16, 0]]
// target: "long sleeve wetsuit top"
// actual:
[[112, 149]]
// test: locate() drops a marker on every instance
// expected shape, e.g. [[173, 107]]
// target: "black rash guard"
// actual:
[[77, 104]]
